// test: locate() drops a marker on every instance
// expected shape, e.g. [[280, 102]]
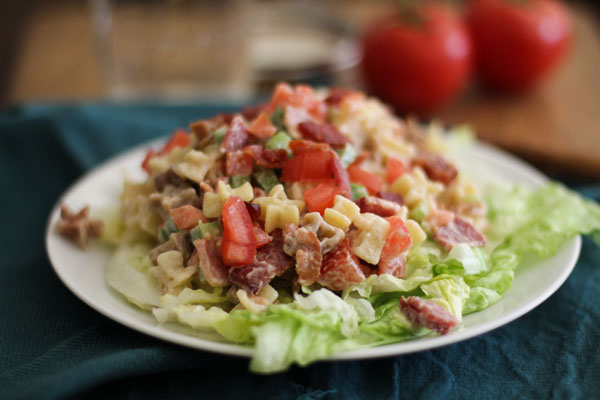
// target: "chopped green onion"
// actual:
[[266, 178], [238, 180], [219, 134], [358, 191], [279, 141], [419, 212], [277, 118], [164, 233], [195, 233], [210, 230], [347, 155]]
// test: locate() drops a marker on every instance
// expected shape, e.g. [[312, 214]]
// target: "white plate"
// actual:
[[83, 272]]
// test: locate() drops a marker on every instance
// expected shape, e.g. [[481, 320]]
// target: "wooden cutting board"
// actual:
[[558, 125]]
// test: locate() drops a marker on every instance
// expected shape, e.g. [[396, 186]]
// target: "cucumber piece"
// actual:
[[219, 134], [238, 180], [358, 191], [279, 141], [266, 178], [347, 154], [277, 118]]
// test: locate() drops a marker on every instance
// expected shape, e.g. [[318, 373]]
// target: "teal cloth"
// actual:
[[53, 346]]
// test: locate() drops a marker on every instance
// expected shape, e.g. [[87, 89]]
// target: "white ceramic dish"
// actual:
[[84, 272]]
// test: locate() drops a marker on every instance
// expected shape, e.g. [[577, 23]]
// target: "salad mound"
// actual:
[[320, 222]]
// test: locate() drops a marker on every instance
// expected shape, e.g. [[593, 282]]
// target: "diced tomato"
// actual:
[[321, 197], [187, 217], [281, 95], [314, 166], [300, 97], [340, 175], [262, 126], [262, 237], [179, 139], [239, 242], [300, 146], [393, 260], [236, 254], [369, 180], [394, 168], [146, 163], [361, 158]]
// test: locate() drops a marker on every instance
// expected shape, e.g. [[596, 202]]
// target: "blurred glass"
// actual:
[[172, 48], [299, 40]]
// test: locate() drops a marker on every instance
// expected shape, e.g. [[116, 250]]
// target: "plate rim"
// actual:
[[240, 350]]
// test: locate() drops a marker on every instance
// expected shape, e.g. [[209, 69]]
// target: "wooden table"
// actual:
[[556, 126]]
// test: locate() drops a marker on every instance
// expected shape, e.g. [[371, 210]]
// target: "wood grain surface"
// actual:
[[555, 126]]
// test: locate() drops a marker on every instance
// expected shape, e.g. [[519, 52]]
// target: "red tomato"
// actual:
[[321, 197], [393, 260], [371, 181], [393, 169], [146, 163], [299, 146], [417, 66], [517, 43], [179, 139], [262, 126], [239, 240], [313, 166], [187, 216]]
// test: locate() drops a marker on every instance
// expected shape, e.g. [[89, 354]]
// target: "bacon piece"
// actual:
[[77, 226], [436, 167], [375, 205], [237, 135], [251, 112], [393, 197], [262, 237], [238, 163], [323, 133], [458, 231], [265, 157], [294, 116], [270, 261], [273, 253], [336, 95], [422, 312], [252, 277], [340, 175], [299, 146], [305, 246], [341, 268], [210, 263], [204, 128]]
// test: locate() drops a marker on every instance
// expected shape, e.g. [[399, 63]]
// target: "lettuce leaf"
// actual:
[[126, 272]]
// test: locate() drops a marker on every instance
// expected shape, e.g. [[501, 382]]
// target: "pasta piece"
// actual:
[[277, 210], [195, 165], [336, 218], [371, 237], [136, 210], [416, 232], [171, 275], [278, 216], [212, 204], [255, 304], [161, 164], [416, 188], [346, 206]]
